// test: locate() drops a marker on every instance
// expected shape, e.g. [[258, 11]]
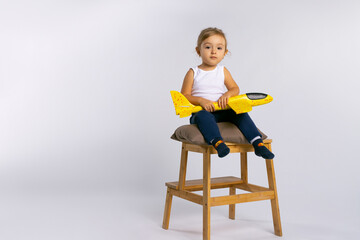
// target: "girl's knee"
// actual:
[[203, 114], [242, 116]]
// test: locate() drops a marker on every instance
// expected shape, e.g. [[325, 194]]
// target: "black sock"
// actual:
[[261, 150], [220, 147]]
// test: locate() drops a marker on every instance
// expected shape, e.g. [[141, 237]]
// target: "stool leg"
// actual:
[[275, 201], [167, 210], [183, 164], [244, 167], [232, 206], [206, 194]]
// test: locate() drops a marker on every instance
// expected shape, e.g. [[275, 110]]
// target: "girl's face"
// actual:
[[212, 50]]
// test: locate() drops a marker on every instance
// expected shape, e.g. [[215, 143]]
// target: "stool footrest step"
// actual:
[[241, 198], [257, 193], [219, 182], [197, 184], [224, 200]]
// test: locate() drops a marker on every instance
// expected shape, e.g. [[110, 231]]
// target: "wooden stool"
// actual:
[[184, 189]]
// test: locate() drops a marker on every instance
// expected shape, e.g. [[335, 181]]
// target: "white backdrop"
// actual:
[[85, 110]]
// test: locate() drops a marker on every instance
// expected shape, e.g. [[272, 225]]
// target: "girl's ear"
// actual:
[[226, 52], [198, 51]]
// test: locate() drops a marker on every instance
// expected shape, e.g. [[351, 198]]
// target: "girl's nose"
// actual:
[[213, 50]]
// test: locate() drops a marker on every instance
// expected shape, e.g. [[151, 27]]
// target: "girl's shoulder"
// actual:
[[194, 69]]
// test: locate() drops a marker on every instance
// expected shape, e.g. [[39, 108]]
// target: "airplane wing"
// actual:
[[240, 105]]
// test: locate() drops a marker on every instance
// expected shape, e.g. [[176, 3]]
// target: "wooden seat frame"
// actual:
[[185, 189]]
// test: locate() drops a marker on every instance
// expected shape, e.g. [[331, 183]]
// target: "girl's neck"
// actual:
[[206, 67]]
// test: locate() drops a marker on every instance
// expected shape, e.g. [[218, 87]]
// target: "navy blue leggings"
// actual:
[[206, 122]]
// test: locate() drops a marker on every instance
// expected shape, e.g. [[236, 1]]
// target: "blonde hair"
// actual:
[[208, 32]]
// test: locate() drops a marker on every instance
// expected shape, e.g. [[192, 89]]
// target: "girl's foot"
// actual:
[[261, 150], [221, 148]]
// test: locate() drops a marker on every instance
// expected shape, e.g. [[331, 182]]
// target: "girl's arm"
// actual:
[[233, 89], [199, 101]]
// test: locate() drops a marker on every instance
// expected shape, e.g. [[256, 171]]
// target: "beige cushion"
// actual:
[[191, 134]]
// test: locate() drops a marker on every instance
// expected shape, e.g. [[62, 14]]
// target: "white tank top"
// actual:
[[209, 84]]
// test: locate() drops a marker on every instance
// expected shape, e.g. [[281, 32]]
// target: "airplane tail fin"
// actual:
[[182, 106]]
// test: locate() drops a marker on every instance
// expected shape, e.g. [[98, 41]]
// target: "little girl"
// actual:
[[209, 83]]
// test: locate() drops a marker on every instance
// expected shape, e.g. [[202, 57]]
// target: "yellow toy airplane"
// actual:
[[240, 104]]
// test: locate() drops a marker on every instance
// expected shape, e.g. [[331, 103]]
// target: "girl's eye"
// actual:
[[207, 47], [219, 48]]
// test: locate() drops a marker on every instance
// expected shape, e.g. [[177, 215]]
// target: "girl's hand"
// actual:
[[223, 100], [207, 105]]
